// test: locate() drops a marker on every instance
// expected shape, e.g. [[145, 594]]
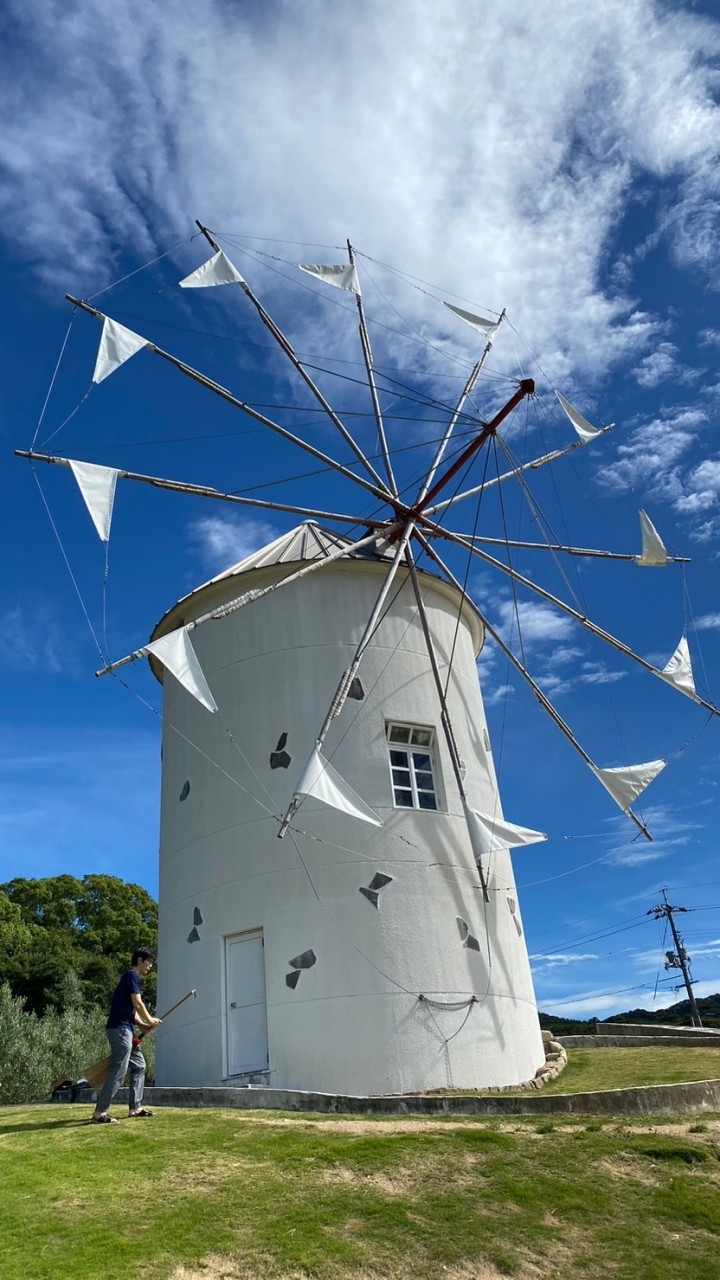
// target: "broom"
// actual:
[[97, 1074]]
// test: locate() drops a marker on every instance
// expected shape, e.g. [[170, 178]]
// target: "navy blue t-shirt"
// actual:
[[122, 1009]]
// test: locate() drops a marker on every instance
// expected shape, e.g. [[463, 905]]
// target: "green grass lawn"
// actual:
[[591, 1069], [229, 1195]]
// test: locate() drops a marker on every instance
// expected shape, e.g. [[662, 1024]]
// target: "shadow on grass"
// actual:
[[49, 1124]]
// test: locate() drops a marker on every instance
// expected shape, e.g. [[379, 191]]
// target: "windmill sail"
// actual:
[[217, 270], [342, 277], [97, 486], [320, 780], [678, 671], [177, 654], [654, 553], [117, 344]]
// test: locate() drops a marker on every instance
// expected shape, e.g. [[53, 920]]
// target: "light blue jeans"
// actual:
[[123, 1056]]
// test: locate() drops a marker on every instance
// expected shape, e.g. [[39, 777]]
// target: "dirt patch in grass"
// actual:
[[219, 1268]]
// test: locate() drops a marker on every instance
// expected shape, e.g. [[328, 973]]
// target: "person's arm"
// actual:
[[142, 1015]]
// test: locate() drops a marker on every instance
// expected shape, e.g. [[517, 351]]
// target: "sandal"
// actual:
[[105, 1119], [139, 1115]]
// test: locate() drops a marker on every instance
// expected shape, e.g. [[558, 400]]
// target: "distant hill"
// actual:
[[674, 1015]]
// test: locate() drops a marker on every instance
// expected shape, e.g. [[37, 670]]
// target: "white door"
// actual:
[[247, 1037]]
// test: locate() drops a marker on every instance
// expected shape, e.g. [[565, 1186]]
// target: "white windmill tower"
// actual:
[[325, 691], [359, 954]]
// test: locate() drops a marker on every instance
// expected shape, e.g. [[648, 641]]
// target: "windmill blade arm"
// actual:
[[250, 597], [544, 701], [378, 491], [584, 621], [341, 693], [445, 719], [205, 491], [555, 547], [542, 461], [285, 346]]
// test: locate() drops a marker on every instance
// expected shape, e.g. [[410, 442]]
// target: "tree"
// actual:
[[61, 935]]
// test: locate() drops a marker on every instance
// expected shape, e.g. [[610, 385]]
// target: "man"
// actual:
[[127, 1013]]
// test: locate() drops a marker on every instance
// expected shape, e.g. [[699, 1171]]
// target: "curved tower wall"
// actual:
[[386, 1002]]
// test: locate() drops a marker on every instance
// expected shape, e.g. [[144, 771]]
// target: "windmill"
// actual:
[[336, 878]]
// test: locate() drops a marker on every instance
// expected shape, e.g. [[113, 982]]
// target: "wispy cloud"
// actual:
[[221, 541], [671, 832], [619, 91]]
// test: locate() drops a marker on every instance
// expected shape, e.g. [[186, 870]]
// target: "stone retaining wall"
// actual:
[[655, 1100]]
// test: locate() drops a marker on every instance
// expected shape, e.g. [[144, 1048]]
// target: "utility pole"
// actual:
[[678, 959]]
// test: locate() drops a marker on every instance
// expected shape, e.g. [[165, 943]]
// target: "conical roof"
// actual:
[[309, 541]]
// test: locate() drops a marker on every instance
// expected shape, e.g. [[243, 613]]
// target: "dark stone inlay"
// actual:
[[356, 690], [193, 935], [304, 961], [463, 928], [197, 915], [279, 758], [185, 791], [378, 882], [292, 979]]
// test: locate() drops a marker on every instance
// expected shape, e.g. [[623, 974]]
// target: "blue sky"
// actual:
[[535, 156]]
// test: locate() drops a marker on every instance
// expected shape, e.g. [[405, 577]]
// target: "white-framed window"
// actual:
[[413, 770]]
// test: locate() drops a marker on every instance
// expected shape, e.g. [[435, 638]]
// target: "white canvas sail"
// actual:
[[320, 780], [626, 784], [488, 834], [488, 327], [654, 552], [217, 270], [679, 669], [117, 344], [97, 486], [342, 277], [178, 656], [585, 429]]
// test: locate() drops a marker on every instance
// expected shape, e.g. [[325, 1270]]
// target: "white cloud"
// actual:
[[658, 366], [708, 622], [221, 541], [671, 832], [430, 145]]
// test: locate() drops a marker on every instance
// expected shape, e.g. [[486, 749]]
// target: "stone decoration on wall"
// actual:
[[279, 758], [372, 892], [466, 937], [304, 961]]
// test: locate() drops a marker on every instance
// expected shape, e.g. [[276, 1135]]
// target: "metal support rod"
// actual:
[[340, 695], [224, 394], [249, 597], [367, 356], [466, 392], [526, 388], [444, 712], [584, 621], [205, 491], [545, 702], [508, 475], [282, 341]]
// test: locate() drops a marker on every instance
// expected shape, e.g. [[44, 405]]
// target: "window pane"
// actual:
[[427, 801], [398, 733], [401, 777], [404, 799], [421, 761], [399, 758], [422, 737], [425, 781]]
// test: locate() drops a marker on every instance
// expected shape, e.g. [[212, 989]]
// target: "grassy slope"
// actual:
[[278, 1196]]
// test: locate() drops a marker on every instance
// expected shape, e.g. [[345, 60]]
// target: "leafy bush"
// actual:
[[35, 1051]]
